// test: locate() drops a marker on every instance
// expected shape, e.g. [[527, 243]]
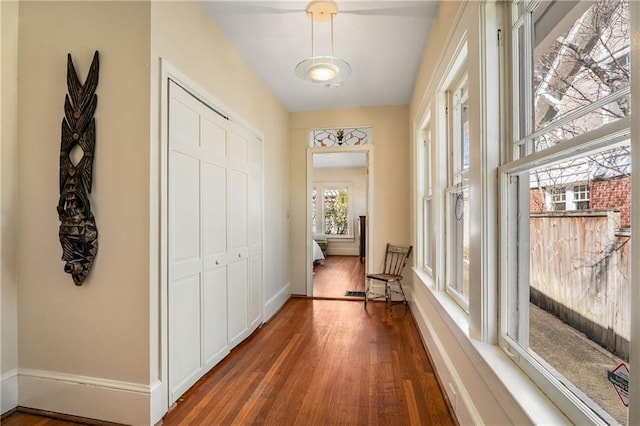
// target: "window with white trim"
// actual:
[[565, 198], [565, 267], [457, 270], [330, 210]]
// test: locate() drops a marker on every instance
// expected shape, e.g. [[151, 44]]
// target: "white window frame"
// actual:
[[457, 185], [427, 199], [320, 188], [571, 196], [514, 301]]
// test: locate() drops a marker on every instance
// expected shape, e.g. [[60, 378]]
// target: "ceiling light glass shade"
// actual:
[[323, 69]]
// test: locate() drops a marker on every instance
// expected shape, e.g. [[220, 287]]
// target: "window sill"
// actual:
[[521, 400]]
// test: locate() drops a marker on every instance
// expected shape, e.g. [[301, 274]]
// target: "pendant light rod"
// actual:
[[331, 35], [312, 55]]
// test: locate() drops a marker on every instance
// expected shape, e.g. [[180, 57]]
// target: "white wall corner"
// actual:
[[9, 391], [274, 304], [89, 397], [460, 400]]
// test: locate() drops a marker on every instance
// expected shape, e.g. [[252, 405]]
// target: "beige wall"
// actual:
[[8, 186], [100, 330], [107, 332], [184, 36], [390, 170]]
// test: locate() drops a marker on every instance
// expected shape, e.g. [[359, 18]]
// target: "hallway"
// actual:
[[337, 275], [317, 362], [322, 362]]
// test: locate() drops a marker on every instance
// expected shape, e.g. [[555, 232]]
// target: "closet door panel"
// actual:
[[184, 208], [215, 316], [184, 122], [238, 148], [255, 252], [254, 157], [255, 292], [185, 364], [255, 211], [214, 137], [238, 212], [237, 301], [214, 214]]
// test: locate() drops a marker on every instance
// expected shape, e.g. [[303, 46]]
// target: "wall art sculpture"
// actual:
[[78, 232]]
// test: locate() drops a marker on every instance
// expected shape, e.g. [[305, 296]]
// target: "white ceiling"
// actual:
[[383, 41]]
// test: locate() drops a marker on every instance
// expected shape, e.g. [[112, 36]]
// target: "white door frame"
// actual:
[[367, 149], [160, 317]]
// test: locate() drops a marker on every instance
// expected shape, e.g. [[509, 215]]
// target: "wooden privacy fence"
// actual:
[[579, 271]]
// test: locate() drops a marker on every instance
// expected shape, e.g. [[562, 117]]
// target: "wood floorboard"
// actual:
[[337, 275], [322, 362], [317, 362]]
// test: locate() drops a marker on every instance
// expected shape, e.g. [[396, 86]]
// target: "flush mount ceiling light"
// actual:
[[323, 69]]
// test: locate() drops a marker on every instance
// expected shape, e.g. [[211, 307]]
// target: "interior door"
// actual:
[[197, 221], [214, 230], [256, 301], [238, 292]]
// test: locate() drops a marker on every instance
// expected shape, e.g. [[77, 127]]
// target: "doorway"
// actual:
[[339, 194]]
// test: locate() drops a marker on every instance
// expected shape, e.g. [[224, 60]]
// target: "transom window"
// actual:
[[346, 136]]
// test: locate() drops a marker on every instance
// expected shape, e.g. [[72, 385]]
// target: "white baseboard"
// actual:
[[89, 397], [9, 391], [159, 402], [343, 251], [465, 410], [274, 304]]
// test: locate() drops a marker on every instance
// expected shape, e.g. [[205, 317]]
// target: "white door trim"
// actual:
[[367, 149]]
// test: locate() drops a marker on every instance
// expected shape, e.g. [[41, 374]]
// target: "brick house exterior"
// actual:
[[612, 193], [604, 194]]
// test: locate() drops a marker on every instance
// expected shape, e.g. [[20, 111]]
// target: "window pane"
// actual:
[[521, 83], [571, 309], [458, 281], [336, 211], [585, 123], [461, 127], [583, 63], [427, 233], [465, 133]]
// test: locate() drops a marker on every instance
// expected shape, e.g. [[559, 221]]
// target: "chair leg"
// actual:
[[366, 291], [404, 298]]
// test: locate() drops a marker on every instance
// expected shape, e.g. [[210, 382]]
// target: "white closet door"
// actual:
[[214, 232], [255, 233], [238, 237], [185, 260], [214, 238]]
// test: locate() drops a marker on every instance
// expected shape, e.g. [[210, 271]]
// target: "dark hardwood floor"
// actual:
[[338, 275], [319, 362]]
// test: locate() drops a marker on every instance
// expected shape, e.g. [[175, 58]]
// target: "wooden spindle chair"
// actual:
[[395, 259]]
